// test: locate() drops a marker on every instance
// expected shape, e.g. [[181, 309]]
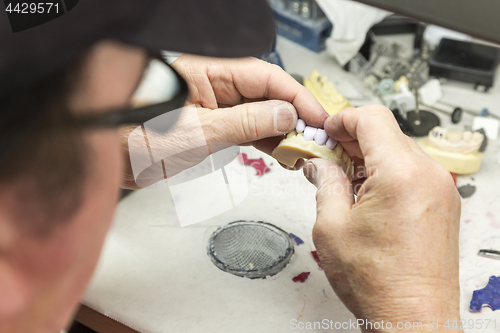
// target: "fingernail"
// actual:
[[310, 172], [284, 118]]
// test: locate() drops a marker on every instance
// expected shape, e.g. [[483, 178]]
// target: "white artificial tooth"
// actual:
[[309, 133], [320, 137], [477, 136], [467, 136], [439, 132], [338, 151], [454, 135], [301, 125], [331, 143], [345, 157]]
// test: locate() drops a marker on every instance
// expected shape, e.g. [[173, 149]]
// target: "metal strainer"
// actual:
[[250, 249]]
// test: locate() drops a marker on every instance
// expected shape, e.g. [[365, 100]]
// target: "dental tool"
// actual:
[[493, 254]]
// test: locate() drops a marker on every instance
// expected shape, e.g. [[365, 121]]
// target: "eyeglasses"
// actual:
[[140, 115]]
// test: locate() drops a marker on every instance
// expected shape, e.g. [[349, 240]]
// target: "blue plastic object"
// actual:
[[484, 112], [310, 33], [489, 296], [297, 239]]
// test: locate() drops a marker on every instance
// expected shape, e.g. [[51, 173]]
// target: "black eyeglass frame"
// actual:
[[137, 116]]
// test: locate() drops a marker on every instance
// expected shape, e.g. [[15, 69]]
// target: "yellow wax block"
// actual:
[[326, 93], [458, 163]]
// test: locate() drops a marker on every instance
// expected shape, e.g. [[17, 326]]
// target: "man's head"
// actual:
[[59, 185], [58, 189]]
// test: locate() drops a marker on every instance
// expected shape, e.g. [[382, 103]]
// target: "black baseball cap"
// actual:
[[219, 28]]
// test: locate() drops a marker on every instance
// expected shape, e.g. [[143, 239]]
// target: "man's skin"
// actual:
[[43, 279], [239, 101], [391, 256]]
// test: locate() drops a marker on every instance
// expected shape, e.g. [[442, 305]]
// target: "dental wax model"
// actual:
[[457, 150], [311, 143], [455, 140], [326, 93]]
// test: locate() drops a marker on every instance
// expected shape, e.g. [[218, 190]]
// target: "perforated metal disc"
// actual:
[[250, 249], [427, 121]]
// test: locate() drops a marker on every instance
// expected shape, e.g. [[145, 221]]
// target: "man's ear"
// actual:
[[14, 288]]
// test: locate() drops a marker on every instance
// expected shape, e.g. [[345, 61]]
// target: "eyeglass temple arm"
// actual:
[[139, 115]]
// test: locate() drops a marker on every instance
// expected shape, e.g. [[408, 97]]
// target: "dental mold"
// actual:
[[456, 150], [307, 145], [326, 93], [309, 142], [455, 140]]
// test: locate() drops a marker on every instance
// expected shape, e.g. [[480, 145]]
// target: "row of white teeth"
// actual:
[[317, 134], [321, 138]]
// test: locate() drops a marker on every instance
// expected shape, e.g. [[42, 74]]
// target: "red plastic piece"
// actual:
[[315, 255], [454, 176], [257, 163], [301, 277]]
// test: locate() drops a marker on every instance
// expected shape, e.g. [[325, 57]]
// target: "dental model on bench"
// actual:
[[455, 140], [457, 150]]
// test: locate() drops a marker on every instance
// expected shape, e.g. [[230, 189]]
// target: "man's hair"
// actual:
[[42, 162]]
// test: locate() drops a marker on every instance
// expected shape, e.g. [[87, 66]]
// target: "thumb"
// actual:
[[334, 195], [249, 122]]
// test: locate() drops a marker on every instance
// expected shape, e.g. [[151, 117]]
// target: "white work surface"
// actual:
[[156, 277]]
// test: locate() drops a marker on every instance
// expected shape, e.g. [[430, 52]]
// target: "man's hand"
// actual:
[[247, 101], [393, 254], [237, 102]]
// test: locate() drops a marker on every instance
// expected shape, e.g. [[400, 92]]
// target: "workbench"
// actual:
[[154, 276]]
